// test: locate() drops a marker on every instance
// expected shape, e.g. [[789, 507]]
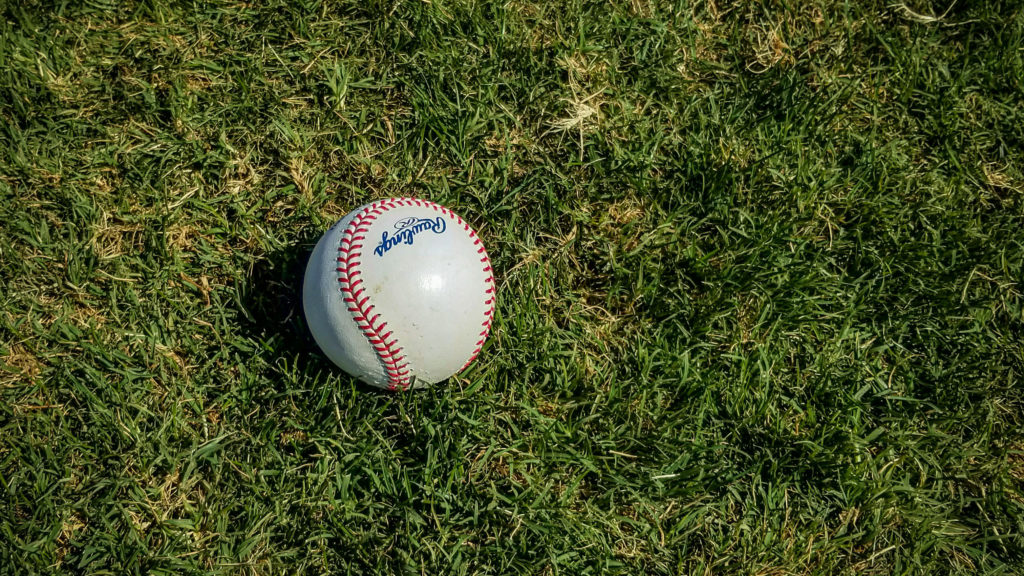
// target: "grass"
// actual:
[[759, 263]]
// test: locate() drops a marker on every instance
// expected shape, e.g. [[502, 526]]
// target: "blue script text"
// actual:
[[408, 228]]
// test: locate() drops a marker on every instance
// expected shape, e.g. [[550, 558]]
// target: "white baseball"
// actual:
[[399, 293]]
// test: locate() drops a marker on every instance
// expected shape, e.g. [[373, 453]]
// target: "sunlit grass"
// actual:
[[759, 271]]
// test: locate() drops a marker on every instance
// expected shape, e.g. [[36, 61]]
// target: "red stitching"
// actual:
[[390, 354], [490, 303], [363, 313]]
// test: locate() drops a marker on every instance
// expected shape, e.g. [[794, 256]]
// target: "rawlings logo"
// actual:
[[408, 228]]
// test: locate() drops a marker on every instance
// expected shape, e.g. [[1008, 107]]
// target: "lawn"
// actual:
[[760, 271]]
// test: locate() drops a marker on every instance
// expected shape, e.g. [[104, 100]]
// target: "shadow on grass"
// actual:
[[272, 301], [273, 318]]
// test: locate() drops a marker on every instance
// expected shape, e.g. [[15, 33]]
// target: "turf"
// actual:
[[759, 269]]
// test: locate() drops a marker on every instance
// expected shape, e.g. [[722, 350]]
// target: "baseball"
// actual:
[[399, 293]]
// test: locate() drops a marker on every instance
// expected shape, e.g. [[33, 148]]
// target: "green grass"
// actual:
[[760, 269]]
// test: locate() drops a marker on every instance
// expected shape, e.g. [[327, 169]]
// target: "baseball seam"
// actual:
[[383, 341]]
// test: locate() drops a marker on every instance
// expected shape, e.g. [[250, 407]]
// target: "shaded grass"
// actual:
[[759, 274]]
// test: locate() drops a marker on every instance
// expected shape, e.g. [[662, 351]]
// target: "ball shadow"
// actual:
[[271, 300], [272, 316]]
